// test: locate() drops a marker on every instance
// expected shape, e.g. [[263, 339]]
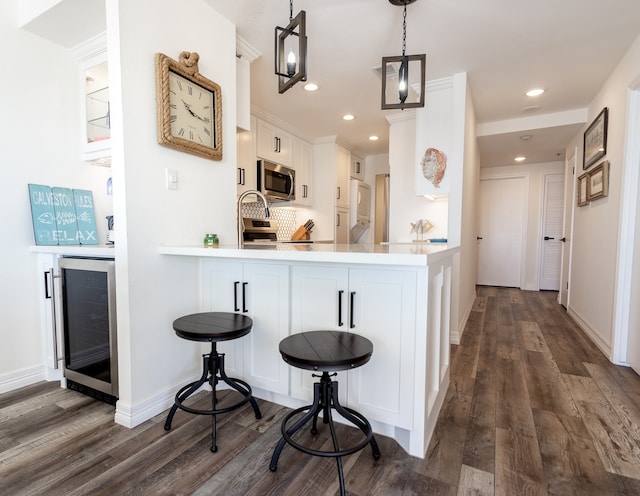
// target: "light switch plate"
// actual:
[[172, 178]]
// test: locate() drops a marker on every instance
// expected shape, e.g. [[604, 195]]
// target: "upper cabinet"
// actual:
[[357, 168], [95, 112], [303, 163], [273, 143], [245, 55]]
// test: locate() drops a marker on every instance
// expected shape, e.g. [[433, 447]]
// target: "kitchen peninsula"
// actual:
[[398, 296]]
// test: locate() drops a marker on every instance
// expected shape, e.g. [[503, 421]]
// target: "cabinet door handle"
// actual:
[[235, 296], [304, 191], [337, 220], [340, 293], [242, 176], [338, 197], [244, 297], [352, 296]]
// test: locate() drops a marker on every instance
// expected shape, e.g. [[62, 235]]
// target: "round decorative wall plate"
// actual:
[[434, 164]]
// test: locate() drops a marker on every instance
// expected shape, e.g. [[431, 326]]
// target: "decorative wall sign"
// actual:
[[85, 216], [595, 140], [434, 165], [62, 216]]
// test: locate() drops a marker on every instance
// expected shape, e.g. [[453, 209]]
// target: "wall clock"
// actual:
[[189, 107]]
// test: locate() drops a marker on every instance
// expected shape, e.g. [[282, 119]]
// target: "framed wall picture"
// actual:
[[599, 181], [595, 140], [583, 190]]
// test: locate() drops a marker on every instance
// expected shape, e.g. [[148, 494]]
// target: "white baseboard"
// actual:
[[22, 378], [456, 335], [130, 415], [591, 333]]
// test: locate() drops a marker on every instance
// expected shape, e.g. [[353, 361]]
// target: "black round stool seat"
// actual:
[[328, 351], [325, 351], [212, 327]]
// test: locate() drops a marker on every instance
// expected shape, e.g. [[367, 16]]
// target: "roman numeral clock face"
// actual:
[[191, 111]]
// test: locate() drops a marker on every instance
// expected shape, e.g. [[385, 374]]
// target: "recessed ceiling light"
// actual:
[[373, 138], [526, 137], [535, 92], [519, 159], [348, 117], [311, 87]]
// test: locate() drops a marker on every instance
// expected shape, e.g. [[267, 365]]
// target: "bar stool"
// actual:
[[213, 327], [325, 351]]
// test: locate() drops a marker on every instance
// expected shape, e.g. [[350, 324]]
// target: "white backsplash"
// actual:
[[285, 216]]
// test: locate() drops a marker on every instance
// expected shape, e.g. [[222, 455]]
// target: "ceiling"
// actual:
[[506, 47]]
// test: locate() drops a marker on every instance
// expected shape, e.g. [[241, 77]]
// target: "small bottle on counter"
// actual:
[[211, 240]]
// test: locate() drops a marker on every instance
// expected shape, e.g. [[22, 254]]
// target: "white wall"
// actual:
[[464, 273], [39, 143], [405, 206], [153, 289], [534, 175], [595, 248]]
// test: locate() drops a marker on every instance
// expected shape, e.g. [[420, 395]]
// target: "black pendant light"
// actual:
[[291, 51], [396, 74]]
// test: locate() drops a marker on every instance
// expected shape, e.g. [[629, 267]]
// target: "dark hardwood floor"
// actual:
[[533, 408]]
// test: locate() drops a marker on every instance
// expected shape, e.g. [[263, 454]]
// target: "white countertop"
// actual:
[[101, 251], [392, 254]]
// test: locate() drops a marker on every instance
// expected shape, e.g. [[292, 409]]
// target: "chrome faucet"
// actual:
[[242, 197]]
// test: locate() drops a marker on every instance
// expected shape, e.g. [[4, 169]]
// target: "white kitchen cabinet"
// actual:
[[94, 100], [377, 304], [303, 163], [260, 291], [341, 233], [273, 143], [343, 168], [247, 170], [357, 168]]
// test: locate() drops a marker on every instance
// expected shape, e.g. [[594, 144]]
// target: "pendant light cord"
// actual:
[[404, 28], [291, 10]]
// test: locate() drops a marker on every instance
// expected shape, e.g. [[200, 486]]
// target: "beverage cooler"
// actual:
[[90, 362]]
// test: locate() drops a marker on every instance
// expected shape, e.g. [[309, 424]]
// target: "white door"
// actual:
[[552, 221], [569, 202], [502, 223]]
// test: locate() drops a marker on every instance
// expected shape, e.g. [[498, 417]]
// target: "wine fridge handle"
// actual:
[[50, 293]]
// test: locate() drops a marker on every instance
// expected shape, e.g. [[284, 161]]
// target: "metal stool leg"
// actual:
[[314, 408], [187, 391], [234, 383], [348, 414]]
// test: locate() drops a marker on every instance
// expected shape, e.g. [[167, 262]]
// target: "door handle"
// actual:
[[235, 296], [547, 238], [479, 237], [563, 239], [244, 297], [340, 293], [351, 309]]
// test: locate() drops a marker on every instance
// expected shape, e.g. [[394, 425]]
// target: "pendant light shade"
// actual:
[[403, 76], [291, 51]]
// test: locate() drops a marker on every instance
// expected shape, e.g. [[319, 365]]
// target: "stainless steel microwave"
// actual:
[[276, 182]]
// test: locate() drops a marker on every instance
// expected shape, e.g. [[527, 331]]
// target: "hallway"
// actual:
[[534, 407]]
